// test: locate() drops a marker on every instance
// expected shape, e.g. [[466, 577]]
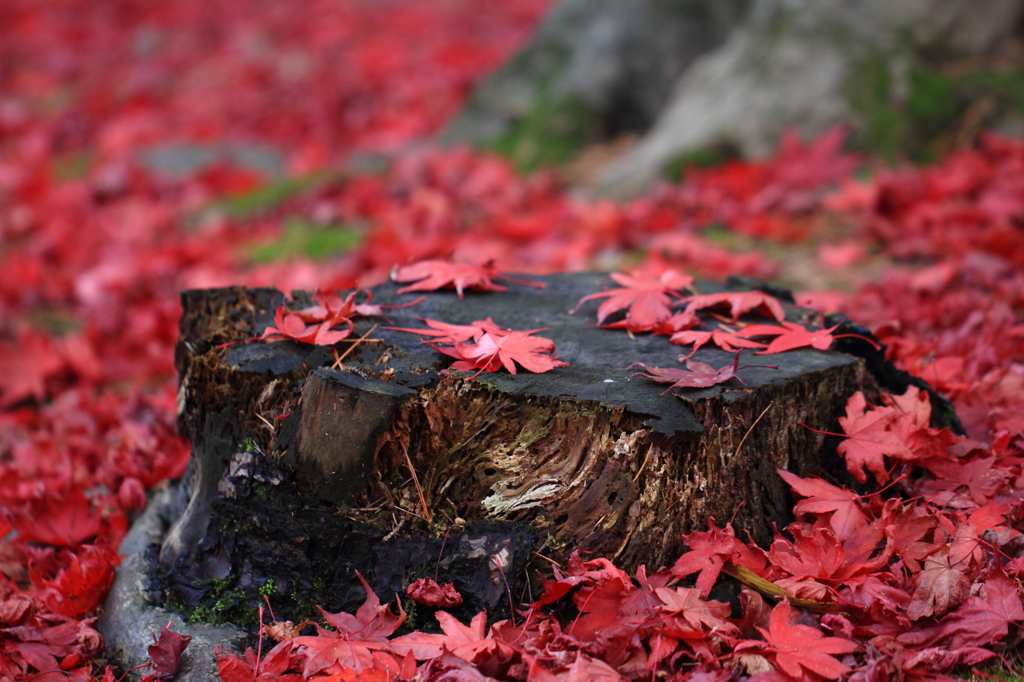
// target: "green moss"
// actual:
[[302, 238], [924, 113], [552, 132], [267, 197], [705, 157]]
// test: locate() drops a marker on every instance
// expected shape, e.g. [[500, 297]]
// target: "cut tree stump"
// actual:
[[390, 465]]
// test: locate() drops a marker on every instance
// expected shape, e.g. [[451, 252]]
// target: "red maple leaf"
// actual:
[[822, 498], [165, 652], [429, 593], [710, 551], [696, 374], [727, 341], [454, 333], [869, 439], [250, 668], [315, 324], [371, 622], [980, 622], [431, 275], [792, 335], [25, 366], [798, 649], [739, 303], [292, 325], [63, 519], [471, 643], [492, 352], [83, 584], [940, 587], [647, 300], [819, 555]]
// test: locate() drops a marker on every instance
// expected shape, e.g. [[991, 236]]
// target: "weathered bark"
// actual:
[[303, 473]]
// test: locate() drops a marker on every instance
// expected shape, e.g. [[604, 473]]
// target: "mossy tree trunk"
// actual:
[[700, 78]]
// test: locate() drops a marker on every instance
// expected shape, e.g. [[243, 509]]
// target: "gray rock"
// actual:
[[130, 622], [179, 160]]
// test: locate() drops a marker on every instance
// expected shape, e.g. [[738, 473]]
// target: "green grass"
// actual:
[[302, 238], [268, 197]]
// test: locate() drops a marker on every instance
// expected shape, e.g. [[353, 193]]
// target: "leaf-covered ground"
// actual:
[[152, 146]]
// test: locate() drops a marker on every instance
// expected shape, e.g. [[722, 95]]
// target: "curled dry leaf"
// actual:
[[429, 593], [696, 374]]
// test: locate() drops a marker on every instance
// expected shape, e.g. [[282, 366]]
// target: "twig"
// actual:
[[264, 420], [643, 464], [397, 528], [416, 481], [337, 360], [410, 513], [548, 559], [744, 439]]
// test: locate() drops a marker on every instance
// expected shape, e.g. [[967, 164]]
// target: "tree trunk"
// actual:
[[303, 472], [595, 69], [703, 77]]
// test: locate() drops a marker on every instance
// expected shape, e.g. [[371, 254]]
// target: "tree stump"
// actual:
[[304, 472]]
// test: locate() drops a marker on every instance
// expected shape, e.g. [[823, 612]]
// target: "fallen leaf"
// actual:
[[869, 439], [797, 649], [647, 300], [739, 303], [696, 374], [429, 593], [165, 652], [431, 275], [492, 352], [727, 341]]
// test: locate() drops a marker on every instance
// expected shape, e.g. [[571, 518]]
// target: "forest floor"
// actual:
[[151, 147]]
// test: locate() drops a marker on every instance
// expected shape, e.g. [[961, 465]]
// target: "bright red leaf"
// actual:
[[870, 438], [727, 341], [454, 333], [739, 303], [492, 352], [431, 275], [823, 498], [798, 649], [792, 335], [647, 300]]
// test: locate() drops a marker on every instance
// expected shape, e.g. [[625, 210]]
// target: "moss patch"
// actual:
[[551, 132], [705, 157], [302, 238], [922, 109], [268, 197]]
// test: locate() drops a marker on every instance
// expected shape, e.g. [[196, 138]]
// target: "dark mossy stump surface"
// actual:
[[303, 473]]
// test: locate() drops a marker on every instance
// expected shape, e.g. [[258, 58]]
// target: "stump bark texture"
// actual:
[[389, 464]]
